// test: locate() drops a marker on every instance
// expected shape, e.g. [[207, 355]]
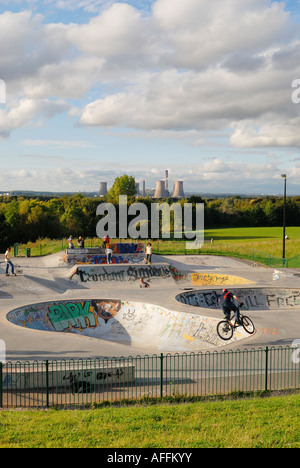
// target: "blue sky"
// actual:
[[96, 89]]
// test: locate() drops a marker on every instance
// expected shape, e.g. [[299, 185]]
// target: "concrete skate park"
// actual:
[[72, 305]]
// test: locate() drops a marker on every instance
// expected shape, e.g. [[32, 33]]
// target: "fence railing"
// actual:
[[164, 247], [94, 381]]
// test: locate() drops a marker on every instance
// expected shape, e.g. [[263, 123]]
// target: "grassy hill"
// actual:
[[272, 422]]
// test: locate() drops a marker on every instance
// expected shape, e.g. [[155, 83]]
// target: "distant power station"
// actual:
[[178, 189], [161, 191], [162, 188], [103, 189]]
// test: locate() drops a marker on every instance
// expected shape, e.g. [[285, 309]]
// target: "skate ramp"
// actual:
[[139, 325], [253, 298], [122, 253]]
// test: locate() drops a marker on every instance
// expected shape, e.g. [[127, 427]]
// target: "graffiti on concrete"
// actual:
[[200, 299], [122, 253], [255, 299], [75, 379], [130, 273], [81, 315], [82, 381], [203, 279], [64, 316], [132, 323], [285, 299], [71, 260]]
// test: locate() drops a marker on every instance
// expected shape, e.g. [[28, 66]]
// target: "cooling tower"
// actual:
[[178, 189], [103, 189], [160, 191]]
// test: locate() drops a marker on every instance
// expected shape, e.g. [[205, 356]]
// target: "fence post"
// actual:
[[47, 383], [266, 367], [161, 374], [1, 384]]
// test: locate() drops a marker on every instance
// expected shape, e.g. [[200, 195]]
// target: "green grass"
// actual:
[[259, 422], [266, 239], [235, 242]]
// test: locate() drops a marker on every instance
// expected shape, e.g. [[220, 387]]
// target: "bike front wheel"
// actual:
[[248, 325], [225, 330]]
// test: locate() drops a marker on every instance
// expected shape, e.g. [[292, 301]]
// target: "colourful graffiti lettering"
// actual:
[[72, 315]]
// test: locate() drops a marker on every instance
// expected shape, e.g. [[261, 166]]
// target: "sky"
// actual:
[[92, 90]]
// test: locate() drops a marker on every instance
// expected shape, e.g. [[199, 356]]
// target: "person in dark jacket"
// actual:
[[226, 301]]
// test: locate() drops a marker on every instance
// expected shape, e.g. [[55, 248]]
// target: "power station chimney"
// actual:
[[178, 189], [103, 189], [167, 182]]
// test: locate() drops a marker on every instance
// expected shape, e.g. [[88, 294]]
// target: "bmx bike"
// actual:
[[225, 328]]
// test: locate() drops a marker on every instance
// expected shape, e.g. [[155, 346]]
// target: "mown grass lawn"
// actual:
[[267, 239], [237, 242], [272, 422]]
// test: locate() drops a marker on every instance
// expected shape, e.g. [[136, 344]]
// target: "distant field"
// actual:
[[257, 234], [266, 239]]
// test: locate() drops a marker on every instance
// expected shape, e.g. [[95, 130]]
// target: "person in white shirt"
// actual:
[[70, 240], [149, 251], [108, 252], [9, 263]]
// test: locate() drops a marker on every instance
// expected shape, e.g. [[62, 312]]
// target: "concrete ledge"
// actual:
[[125, 273], [66, 375]]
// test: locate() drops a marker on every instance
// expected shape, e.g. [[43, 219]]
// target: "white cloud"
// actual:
[[29, 112], [186, 66], [200, 33], [210, 70], [273, 132]]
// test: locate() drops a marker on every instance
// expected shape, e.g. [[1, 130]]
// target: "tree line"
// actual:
[[28, 219]]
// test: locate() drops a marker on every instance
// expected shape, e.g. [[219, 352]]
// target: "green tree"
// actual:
[[124, 185]]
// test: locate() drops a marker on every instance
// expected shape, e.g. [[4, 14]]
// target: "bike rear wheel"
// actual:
[[225, 330], [248, 325]]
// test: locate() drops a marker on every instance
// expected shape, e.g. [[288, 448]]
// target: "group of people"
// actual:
[[80, 242]]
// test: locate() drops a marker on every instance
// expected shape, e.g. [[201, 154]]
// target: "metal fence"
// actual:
[[89, 382], [164, 247]]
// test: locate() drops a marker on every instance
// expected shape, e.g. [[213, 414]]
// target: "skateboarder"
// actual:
[[149, 251], [109, 253], [9, 263], [144, 284]]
